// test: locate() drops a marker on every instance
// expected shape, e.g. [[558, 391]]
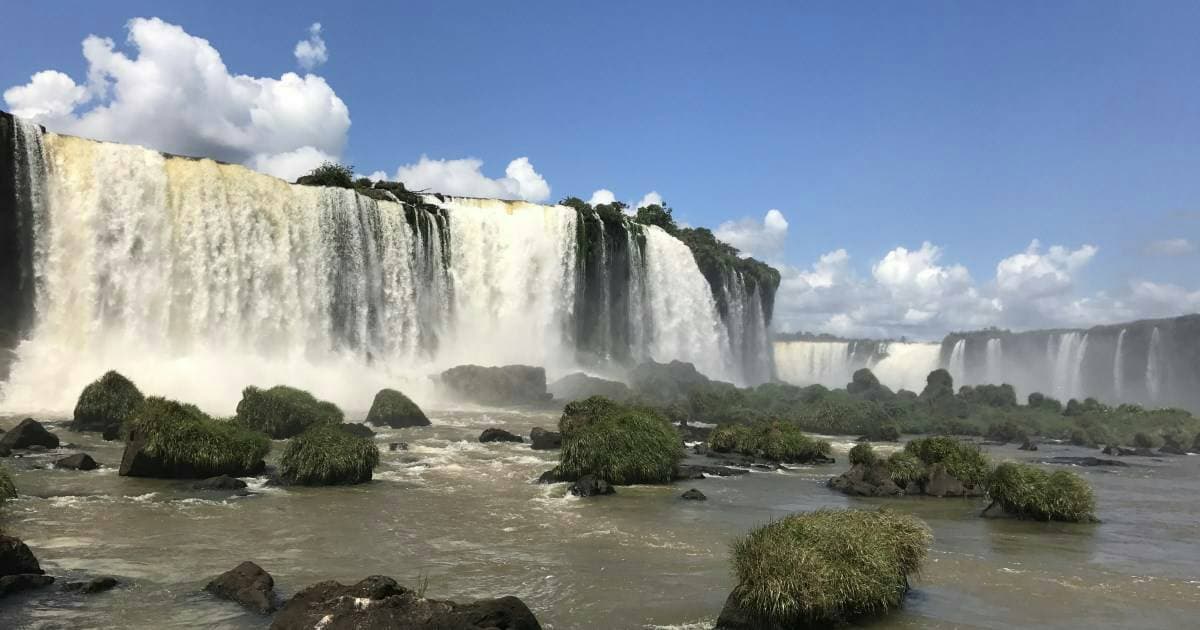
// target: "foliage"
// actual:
[[8, 490], [283, 412], [329, 174], [391, 408], [621, 444], [1029, 492], [989, 395], [775, 440], [106, 402], [325, 455], [1039, 401], [656, 214], [1143, 440], [182, 436], [966, 462], [1007, 431], [904, 467], [827, 566], [863, 454]]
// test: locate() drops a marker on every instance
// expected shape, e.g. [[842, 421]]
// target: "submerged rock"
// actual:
[[78, 461], [591, 486], [507, 385], [866, 481], [16, 558], [693, 495], [398, 446], [699, 471], [220, 482], [10, 584], [1028, 445], [29, 433], [247, 584], [1084, 461], [95, 585], [357, 430], [393, 409], [543, 440], [492, 434], [379, 603]]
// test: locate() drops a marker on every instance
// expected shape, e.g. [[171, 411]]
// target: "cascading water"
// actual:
[[995, 360], [746, 328], [906, 365], [1153, 366], [1067, 356], [899, 365], [957, 366], [1119, 366], [813, 362]]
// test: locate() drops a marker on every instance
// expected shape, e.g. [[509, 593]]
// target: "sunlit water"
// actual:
[[468, 516]]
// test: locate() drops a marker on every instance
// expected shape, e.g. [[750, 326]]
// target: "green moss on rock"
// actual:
[[283, 412], [1026, 491], [823, 568], [325, 455], [620, 444], [393, 409], [964, 461], [175, 440], [106, 403], [775, 440]]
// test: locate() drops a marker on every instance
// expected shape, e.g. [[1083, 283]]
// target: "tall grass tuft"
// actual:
[[904, 468], [863, 454], [8, 490], [283, 412], [966, 462], [325, 455], [106, 403], [1027, 491], [186, 440], [622, 445], [776, 440], [827, 566]]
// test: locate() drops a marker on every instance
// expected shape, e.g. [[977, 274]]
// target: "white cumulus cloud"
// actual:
[[763, 239], [1034, 273], [602, 197], [311, 52], [651, 198], [173, 93], [291, 164], [465, 177]]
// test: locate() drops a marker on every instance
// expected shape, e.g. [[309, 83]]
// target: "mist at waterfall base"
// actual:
[[196, 279]]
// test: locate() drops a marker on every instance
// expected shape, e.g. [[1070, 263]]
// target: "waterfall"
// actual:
[[813, 362], [1153, 367], [995, 361], [906, 365], [1118, 366], [899, 365], [1068, 356], [958, 361], [746, 329], [636, 314]]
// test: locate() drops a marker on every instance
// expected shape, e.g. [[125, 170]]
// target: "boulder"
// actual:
[[106, 403], [111, 433], [398, 446], [16, 558], [247, 584], [693, 495], [29, 433], [10, 584], [89, 587], [550, 476], [665, 383], [578, 386], [864, 480], [590, 486], [379, 603], [507, 385], [1028, 445], [492, 434], [78, 461], [1172, 449], [357, 430], [942, 484], [220, 482], [543, 440], [393, 409]]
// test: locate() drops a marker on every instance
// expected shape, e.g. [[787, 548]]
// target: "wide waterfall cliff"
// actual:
[[197, 278]]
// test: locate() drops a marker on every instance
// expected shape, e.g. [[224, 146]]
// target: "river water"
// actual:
[[468, 517]]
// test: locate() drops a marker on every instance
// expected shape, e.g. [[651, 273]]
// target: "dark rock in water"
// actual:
[[544, 440], [357, 430], [1121, 451], [942, 484], [96, 585], [398, 446], [995, 510], [1084, 461], [78, 461], [248, 585], [578, 386], [37, 448], [1171, 449], [379, 603], [393, 409], [693, 495], [694, 434], [550, 476], [5, 451], [590, 486], [29, 433], [16, 558], [665, 383], [507, 385], [111, 433], [221, 482], [1028, 445], [10, 584], [493, 434], [866, 481], [698, 471], [136, 462], [733, 617]]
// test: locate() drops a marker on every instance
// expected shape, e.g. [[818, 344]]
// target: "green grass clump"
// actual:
[[329, 174], [325, 455], [186, 441], [283, 412], [963, 461], [107, 402], [622, 445], [1027, 491], [8, 490], [827, 566], [904, 467], [394, 409], [863, 454], [771, 439]]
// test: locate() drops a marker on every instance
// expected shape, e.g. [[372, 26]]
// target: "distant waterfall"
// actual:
[[746, 329], [898, 365], [958, 362], [1119, 366], [1153, 366], [906, 365], [995, 360], [1067, 356], [813, 362]]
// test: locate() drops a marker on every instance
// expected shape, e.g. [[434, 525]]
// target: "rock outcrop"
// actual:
[[543, 440], [578, 386], [493, 434], [247, 584], [78, 461], [28, 433], [591, 486], [392, 408], [506, 385]]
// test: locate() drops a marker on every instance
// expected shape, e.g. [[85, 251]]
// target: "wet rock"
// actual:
[[136, 461], [10, 584], [398, 446], [27, 434], [1084, 461], [221, 482], [492, 434], [591, 486], [995, 510], [693, 495], [507, 385], [247, 584], [550, 476], [942, 484], [699, 471], [357, 430], [393, 409], [578, 386], [96, 585], [1171, 449], [16, 558], [78, 461], [543, 440], [37, 448], [734, 617], [111, 433], [1028, 445], [378, 603], [866, 481]]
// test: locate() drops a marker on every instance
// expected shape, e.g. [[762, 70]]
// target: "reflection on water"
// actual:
[[467, 515]]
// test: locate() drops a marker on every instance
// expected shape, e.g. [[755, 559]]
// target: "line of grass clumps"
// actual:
[[184, 439], [1026, 491], [618, 443], [325, 454], [775, 440], [283, 412], [825, 567]]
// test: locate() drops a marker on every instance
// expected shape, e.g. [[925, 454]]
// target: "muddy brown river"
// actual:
[[467, 517]]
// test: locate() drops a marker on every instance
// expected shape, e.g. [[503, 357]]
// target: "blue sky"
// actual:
[[869, 126]]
